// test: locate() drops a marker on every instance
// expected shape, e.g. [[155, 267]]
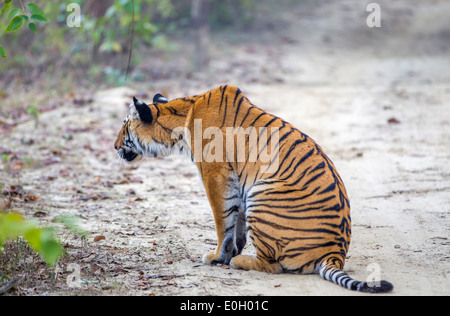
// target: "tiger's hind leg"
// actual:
[[255, 263], [263, 261]]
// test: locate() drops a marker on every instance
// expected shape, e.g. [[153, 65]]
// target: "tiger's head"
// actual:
[[140, 136]]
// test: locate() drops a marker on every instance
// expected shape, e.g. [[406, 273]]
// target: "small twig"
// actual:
[[23, 7], [8, 285], [131, 44], [165, 276]]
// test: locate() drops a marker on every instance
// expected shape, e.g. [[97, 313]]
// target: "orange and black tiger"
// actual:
[[261, 175]]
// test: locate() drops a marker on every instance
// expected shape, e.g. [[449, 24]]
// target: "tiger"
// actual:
[[297, 214]]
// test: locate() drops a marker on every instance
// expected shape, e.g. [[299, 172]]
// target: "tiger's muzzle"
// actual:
[[127, 154]]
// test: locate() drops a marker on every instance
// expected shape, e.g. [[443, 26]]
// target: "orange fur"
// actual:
[[297, 215]]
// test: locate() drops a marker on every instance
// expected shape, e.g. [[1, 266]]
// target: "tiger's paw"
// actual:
[[239, 262], [253, 263], [212, 258]]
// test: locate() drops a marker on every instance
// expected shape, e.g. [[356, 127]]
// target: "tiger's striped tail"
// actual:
[[332, 273]]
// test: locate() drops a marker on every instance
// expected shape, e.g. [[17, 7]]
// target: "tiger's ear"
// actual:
[[143, 110], [159, 98]]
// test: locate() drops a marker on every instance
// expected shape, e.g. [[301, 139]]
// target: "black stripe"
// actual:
[[209, 98], [292, 217], [252, 220], [322, 201], [286, 135], [282, 192], [157, 109], [287, 199], [334, 208], [270, 122], [303, 159], [223, 94], [268, 140], [307, 209], [248, 112], [175, 112], [318, 167], [285, 157], [314, 246], [300, 177], [256, 119], [225, 114], [288, 206], [330, 188], [314, 178], [232, 197], [237, 110], [317, 208], [230, 211], [287, 168], [262, 191], [297, 142], [168, 130], [238, 92], [273, 160]]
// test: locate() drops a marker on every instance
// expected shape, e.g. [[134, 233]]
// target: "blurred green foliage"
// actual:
[[231, 13], [18, 16], [105, 24], [97, 51], [42, 240]]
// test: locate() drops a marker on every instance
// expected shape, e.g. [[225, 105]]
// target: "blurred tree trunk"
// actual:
[[96, 9], [200, 23]]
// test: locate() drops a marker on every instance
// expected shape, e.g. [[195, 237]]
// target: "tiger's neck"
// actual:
[[169, 127]]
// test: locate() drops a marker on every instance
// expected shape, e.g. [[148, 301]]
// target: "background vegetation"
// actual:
[[42, 54], [100, 46]]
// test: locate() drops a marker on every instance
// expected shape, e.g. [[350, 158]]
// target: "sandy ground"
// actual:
[[376, 100]]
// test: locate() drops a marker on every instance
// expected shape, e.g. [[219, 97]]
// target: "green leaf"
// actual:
[[41, 240], [38, 18], [32, 27], [15, 24], [13, 13], [2, 52], [34, 9], [5, 8], [44, 242], [10, 226], [51, 251], [33, 236], [50, 248]]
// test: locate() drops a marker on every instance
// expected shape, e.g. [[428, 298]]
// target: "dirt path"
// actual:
[[379, 107]]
